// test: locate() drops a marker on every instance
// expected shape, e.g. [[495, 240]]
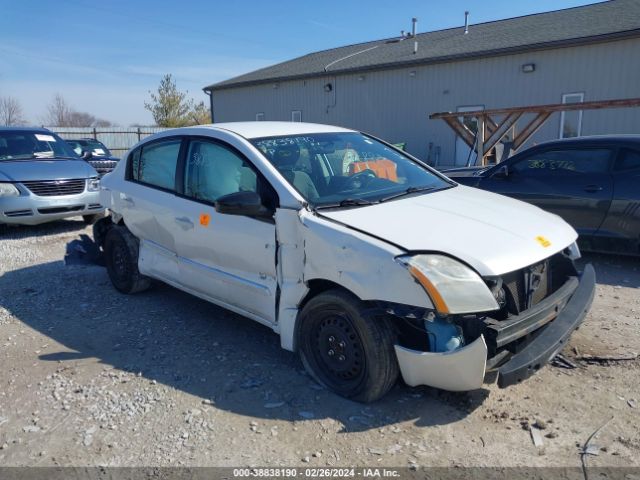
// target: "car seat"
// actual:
[[285, 159]]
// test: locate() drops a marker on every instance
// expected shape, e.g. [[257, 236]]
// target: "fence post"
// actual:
[[95, 134], [138, 133]]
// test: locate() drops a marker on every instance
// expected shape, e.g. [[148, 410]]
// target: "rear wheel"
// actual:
[[345, 349], [121, 258]]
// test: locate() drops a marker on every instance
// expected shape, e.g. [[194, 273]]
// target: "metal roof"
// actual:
[[591, 23]]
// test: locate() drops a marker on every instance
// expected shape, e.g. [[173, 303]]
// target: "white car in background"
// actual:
[[364, 260]]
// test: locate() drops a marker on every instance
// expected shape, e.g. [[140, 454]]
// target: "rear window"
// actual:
[[155, 164]]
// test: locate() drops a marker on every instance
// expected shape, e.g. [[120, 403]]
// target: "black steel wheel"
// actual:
[[343, 348], [121, 259]]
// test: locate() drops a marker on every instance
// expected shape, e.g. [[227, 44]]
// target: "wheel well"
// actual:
[[317, 286]]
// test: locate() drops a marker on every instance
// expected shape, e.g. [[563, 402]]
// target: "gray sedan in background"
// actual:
[[43, 179]]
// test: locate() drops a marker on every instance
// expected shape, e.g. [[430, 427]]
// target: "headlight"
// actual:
[[93, 185], [8, 190], [453, 287]]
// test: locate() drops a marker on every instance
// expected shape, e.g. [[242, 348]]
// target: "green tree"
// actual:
[[171, 108]]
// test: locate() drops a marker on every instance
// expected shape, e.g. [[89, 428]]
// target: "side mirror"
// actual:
[[242, 203], [87, 155], [502, 172]]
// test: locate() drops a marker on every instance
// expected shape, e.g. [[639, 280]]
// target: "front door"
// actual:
[[574, 183], [229, 259]]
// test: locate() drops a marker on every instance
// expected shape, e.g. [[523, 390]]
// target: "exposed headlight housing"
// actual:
[[8, 190], [93, 184], [453, 287], [572, 251]]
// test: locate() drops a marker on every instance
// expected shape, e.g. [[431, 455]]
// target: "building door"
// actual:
[[571, 121], [464, 153]]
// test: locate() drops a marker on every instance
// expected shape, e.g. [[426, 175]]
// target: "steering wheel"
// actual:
[[360, 179]]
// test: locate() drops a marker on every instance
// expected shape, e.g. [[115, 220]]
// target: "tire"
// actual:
[[121, 259], [345, 349], [91, 219]]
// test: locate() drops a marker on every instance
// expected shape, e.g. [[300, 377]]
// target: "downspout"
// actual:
[[210, 94]]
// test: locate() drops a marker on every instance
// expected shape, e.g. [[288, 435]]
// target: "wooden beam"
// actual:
[[501, 130], [530, 129], [553, 107], [462, 130]]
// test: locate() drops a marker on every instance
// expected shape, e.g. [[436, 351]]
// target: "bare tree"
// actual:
[[60, 114], [11, 112]]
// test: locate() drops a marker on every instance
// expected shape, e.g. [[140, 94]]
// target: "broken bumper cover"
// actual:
[[458, 371], [553, 337], [464, 369]]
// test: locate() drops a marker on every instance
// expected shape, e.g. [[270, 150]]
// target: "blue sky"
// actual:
[[104, 57]]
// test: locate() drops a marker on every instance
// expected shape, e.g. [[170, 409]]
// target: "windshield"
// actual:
[[25, 144], [89, 145], [340, 169]]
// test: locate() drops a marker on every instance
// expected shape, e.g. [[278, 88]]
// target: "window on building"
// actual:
[[260, 117], [571, 121], [156, 164], [213, 170], [296, 116]]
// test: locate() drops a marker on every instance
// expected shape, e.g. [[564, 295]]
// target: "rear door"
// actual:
[[574, 183], [147, 205], [229, 259], [620, 231]]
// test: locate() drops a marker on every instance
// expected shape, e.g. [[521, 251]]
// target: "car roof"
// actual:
[[25, 129], [273, 129], [592, 139]]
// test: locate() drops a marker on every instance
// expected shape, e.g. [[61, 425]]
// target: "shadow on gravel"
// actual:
[[193, 346], [615, 270], [15, 232]]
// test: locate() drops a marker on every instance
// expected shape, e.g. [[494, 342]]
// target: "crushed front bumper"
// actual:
[[552, 337], [549, 324]]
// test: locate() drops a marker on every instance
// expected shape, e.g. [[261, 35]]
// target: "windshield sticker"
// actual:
[[45, 138], [98, 151]]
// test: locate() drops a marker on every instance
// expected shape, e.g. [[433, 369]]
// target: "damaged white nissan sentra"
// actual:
[[365, 261]]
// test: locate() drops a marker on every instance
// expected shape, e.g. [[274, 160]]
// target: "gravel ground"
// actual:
[[93, 377]]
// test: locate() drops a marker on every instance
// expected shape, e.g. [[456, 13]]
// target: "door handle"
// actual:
[[128, 200], [593, 188], [184, 223]]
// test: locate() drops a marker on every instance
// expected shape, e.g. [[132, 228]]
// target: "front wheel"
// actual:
[[91, 219], [345, 349], [121, 258]]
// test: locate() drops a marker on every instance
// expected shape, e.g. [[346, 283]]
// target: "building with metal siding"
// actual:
[[385, 89]]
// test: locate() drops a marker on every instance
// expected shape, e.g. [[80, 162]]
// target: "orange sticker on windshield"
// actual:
[[543, 241], [205, 218]]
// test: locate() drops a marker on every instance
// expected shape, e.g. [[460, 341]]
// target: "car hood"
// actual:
[[28, 170], [492, 233]]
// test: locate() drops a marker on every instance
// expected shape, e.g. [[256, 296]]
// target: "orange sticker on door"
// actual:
[[205, 218]]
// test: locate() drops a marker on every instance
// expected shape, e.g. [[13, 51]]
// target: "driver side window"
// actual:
[[570, 161]]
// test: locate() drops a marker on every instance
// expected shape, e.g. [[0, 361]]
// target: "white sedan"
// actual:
[[364, 260]]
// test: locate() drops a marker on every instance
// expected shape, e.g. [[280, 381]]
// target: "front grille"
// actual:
[[527, 287], [103, 166], [52, 188]]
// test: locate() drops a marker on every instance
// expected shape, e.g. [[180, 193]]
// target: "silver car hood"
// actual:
[[29, 170]]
